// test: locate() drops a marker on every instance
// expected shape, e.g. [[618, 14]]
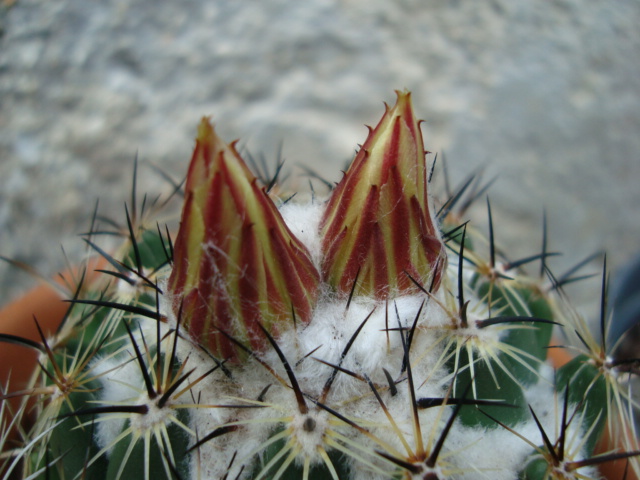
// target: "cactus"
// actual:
[[371, 335]]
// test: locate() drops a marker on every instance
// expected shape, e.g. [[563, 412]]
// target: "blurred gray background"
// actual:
[[545, 94]]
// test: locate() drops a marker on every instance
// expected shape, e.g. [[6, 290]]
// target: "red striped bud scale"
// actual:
[[379, 226], [236, 263]]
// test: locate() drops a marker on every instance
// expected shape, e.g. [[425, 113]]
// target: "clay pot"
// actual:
[[18, 363]]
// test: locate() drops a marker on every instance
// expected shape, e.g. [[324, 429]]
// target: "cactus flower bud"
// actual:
[[379, 224], [235, 261]]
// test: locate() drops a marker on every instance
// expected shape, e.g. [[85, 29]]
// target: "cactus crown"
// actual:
[[371, 335]]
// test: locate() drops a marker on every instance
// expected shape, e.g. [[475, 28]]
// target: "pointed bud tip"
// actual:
[[403, 96], [205, 130]]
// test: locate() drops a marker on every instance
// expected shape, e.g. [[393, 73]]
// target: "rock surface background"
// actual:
[[546, 95]]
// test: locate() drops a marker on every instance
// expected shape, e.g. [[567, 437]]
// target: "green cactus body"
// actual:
[[347, 339]]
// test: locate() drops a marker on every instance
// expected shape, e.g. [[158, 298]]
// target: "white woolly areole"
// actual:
[[121, 382]]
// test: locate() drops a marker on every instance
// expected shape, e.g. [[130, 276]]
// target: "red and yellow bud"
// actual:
[[379, 224], [235, 261]]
